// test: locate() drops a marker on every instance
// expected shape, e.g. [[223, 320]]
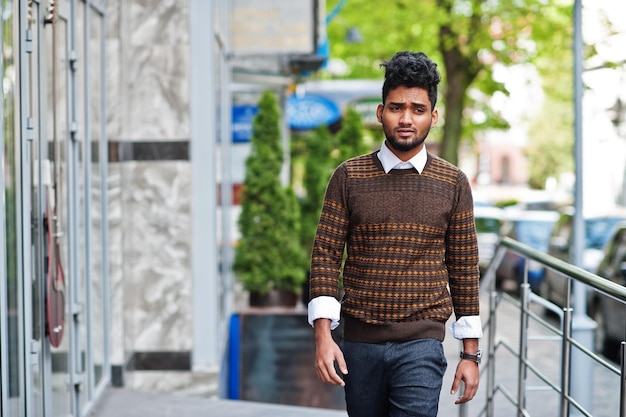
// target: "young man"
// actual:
[[406, 219]]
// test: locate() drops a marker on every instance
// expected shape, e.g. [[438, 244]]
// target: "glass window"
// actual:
[[96, 129], [14, 312]]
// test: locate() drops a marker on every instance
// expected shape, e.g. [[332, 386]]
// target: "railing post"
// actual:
[[565, 362], [463, 410], [622, 377], [491, 352], [523, 348], [581, 379]]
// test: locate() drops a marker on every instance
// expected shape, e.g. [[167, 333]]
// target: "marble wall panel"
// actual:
[[148, 53], [156, 225], [158, 94], [119, 350], [115, 97], [113, 58], [150, 228]]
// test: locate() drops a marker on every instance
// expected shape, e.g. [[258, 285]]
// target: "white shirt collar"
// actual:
[[390, 161]]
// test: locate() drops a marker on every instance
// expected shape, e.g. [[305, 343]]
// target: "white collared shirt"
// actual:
[[329, 308], [390, 161]]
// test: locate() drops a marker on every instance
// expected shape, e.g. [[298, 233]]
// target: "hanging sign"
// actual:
[[309, 111], [242, 117]]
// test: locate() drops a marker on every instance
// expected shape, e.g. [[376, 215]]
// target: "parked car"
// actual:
[[532, 228], [598, 229], [489, 221], [610, 314]]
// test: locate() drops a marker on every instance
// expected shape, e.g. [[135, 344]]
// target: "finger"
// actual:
[[462, 399], [336, 379], [322, 371], [469, 391], [330, 376], [341, 364], [455, 384], [471, 388], [326, 372]]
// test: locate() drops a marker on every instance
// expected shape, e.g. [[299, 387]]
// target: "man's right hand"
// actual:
[[327, 352]]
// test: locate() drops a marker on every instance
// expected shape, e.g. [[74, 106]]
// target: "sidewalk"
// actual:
[[126, 403], [542, 402]]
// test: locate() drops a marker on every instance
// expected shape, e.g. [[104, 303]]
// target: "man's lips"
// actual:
[[405, 132]]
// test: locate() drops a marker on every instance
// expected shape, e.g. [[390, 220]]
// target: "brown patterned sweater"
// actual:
[[408, 236]]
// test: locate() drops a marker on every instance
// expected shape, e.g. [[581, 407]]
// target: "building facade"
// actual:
[[54, 279], [118, 172]]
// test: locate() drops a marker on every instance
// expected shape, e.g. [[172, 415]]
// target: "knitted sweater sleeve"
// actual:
[[462, 253], [330, 238]]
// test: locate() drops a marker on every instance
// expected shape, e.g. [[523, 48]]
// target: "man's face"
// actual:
[[407, 117]]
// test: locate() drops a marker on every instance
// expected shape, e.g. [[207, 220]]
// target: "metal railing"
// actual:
[[560, 334]]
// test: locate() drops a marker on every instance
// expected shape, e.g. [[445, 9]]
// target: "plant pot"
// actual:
[[274, 298]]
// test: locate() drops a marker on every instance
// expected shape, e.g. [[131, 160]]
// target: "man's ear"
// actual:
[[434, 118], [379, 113]]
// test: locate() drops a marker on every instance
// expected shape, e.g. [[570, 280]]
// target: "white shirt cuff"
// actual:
[[467, 327], [325, 307]]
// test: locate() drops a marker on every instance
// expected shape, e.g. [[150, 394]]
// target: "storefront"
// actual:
[[117, 216], [53, 278]]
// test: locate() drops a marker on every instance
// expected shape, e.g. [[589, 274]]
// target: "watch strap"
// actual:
[[474, 357]]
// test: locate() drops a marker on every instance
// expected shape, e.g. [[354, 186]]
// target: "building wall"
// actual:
[[150, 190]]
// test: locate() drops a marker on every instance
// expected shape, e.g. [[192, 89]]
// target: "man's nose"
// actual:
[[405, 117]]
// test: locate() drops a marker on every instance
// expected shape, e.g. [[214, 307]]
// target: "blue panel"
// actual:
[[233, 358], [310, 111], [243, 115]]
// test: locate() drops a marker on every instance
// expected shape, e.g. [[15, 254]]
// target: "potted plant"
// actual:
[[269, 259]]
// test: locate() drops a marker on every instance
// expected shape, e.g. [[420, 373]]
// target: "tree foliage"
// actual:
[[318, 167], [323, 152], [550, 148], [269, 255], [350, 138], [467, 38]]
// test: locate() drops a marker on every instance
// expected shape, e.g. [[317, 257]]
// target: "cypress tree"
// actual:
[[350, 138], [268, 255], [318, 169]]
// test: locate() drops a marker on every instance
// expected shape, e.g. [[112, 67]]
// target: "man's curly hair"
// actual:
[[411, 69]]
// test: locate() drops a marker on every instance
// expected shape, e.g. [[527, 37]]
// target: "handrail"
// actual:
[[599, 283], [573, 273]]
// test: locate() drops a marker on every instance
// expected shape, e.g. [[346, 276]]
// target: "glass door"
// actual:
[[61, 367], [33, 219], [11, 288], [53, 310], [45, 121]]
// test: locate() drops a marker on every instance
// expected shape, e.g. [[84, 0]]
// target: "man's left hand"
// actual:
[[468, 372]]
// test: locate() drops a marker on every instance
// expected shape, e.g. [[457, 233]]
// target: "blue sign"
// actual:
[[242, 122], [310, 111]]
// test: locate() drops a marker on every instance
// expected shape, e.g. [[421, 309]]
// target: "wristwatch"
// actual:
[[474, 357]]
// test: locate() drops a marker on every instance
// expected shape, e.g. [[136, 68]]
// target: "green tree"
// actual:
[[318, 168], [269, 255], [324, 152], [350, 138], [550, 148], [467, 37]]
